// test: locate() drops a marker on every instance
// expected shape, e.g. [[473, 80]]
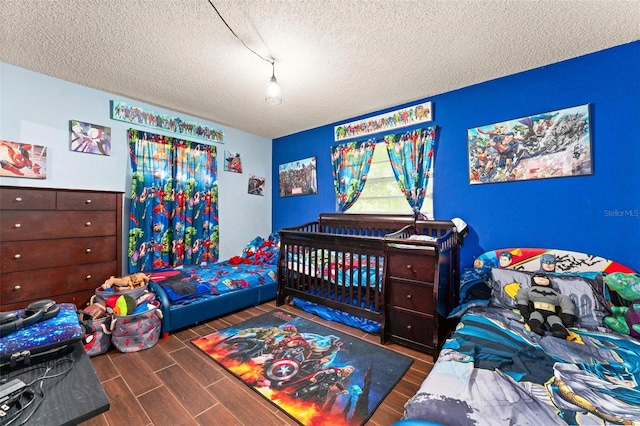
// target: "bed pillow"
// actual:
[[587, 294]]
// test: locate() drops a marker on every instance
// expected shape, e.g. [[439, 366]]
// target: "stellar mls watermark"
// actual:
[[622, 213]]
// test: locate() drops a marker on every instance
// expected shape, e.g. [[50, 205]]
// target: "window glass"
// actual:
[[381, 193]]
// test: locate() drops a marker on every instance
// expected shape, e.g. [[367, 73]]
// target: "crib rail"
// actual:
[[362, 224], [334, 270]]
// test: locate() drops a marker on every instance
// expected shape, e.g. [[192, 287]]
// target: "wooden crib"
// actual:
[[346, 261]]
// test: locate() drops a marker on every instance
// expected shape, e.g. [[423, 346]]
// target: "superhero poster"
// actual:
[[232, 162], [546, 145], [89, 138], [23, 160]]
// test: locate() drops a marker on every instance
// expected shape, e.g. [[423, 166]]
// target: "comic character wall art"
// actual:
[[546, 145], [89, 138], [23, 160]]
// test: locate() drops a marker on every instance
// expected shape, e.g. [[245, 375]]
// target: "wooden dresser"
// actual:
[[57, 244], [411, 299]]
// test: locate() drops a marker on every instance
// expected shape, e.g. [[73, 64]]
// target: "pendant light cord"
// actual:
[[272, 62]]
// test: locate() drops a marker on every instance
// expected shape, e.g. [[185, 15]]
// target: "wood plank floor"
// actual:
[[175, 383]]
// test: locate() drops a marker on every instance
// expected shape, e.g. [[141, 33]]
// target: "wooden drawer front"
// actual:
[[51, 282], [23, 199], [413, 267], [16, 225], [25, 255], [80, 299], [416, 328], [417, 297], [86, 201]]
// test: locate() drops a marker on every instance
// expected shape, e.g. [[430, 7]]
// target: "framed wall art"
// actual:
[[546, 145], [298, 177], [23, 160], [89, 138], [232, 162], [256, 185]]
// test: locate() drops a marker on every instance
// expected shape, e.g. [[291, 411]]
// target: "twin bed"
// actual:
[[193, 294], [495, 371]]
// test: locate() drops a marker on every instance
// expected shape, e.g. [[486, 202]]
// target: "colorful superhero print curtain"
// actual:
[[173, 218], [351, 163], [411, 154]]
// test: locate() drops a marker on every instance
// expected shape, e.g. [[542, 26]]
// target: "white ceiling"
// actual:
[[334, 59]]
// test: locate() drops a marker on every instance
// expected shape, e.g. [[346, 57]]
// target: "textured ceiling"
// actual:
[[335, 59]]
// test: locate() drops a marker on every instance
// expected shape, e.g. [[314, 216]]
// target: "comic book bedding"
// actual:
[[495, 370], [256, 266]]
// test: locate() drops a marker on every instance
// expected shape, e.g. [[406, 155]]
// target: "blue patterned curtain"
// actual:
[[351, 163], [173, 217], [195, 217], [411, 154]]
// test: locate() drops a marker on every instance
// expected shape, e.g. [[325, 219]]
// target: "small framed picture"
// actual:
[[232, 162], [23, 160], [298, 177], [89, 138], [256, 185]]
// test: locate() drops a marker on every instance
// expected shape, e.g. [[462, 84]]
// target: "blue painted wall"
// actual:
[[598, 214]]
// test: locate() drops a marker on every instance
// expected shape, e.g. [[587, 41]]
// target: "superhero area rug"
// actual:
[[316, 375]]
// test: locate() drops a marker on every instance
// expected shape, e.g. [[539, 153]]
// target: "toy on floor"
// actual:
[[120, 305], [625, 320], [539, 306], [129, 282]]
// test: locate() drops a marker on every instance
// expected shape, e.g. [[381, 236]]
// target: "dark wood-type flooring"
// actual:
[[174, 383]]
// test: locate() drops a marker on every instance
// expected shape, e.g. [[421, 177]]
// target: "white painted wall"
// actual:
[[36, 109]]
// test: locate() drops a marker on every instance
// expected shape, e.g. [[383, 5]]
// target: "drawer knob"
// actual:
[[88, 201], [409, 296], [88, 223], [88, 250], [18, 199], [17, 256], [88, 277], [409, 266], [17, 225], [17, 287], [409, 327]]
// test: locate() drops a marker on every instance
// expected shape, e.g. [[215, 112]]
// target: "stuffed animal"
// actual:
[[625, 320], [544, 308], [121, 305], [129, 282]]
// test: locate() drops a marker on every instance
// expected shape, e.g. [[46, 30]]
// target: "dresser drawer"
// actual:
[[22, 199], [40, 254], [86, 201], [419, 267], [416, 328], [16, 225], [80, 299], [51, 282], [417, 297]]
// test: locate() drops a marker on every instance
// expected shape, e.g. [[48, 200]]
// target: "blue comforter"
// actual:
[[494, 371]]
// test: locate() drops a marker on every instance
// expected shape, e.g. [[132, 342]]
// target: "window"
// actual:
[[381, 193]]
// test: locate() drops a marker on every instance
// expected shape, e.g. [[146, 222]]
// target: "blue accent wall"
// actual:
[[598, 214]]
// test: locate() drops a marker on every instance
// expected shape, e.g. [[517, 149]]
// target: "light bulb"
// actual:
[[274, 94]]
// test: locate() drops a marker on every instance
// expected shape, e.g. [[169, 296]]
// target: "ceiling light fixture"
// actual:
[[274, 94]]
